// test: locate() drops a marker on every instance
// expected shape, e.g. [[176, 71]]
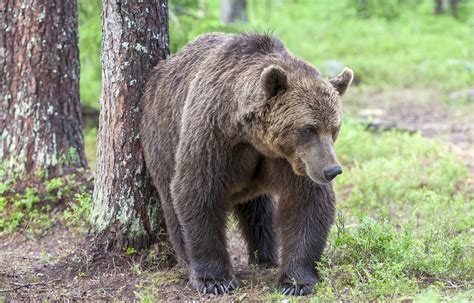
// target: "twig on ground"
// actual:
[[27, 285], [453, 285]]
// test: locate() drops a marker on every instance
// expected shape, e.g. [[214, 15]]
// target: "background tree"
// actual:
[[453, 6], [234, 11], [40, 120], [135, 36]]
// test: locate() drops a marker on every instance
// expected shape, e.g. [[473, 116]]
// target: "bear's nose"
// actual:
[[332, 172]]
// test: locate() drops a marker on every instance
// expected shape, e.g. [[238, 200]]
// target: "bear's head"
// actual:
[[301, 118]]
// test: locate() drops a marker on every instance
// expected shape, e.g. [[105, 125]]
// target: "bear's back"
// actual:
[[208, 56]]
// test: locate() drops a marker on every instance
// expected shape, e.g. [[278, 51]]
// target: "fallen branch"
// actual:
[[378, 125]]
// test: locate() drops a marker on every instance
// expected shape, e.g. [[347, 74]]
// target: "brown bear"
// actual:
[[236, 123]]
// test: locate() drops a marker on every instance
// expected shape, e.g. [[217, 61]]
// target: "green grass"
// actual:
[[406, 218], [404, 177]]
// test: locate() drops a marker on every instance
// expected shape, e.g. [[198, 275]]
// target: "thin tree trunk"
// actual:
[[438, 7], [126, 211], [40, 120], [453, 7], [233, 11]]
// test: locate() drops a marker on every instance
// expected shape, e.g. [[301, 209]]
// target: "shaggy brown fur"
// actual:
[[234, 123]]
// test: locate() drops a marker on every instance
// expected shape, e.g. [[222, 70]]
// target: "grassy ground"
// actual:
[[405, 201]]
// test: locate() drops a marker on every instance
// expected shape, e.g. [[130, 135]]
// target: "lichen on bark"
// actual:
[[39, 88], [126, 211]]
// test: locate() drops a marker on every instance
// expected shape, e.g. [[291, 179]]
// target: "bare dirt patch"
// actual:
[[424, 111], [39, 269]]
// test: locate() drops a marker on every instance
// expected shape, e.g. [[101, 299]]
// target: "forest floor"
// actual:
[[34, 268]]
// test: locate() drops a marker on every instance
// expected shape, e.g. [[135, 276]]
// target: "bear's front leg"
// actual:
[[305, 215], [199, 199]]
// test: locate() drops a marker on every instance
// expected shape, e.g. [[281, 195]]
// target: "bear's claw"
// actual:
[[296, 290], [209, 286]]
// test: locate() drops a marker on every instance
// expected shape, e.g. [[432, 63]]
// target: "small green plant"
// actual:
[[254, 264], [54, 184], [22, 209], [72, 155], [130, 251], [77, 215], [137, 268], [30, 208]]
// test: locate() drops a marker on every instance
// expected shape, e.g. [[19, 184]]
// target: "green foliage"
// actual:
[[28, 205], [415, 188], [23, 209], [78, 213], [130, 251], [188, 20], [323, 31]]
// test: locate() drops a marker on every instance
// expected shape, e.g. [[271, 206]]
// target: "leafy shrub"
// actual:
[[78, 213]]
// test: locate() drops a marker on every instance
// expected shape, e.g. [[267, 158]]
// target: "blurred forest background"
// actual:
[[406, 198]]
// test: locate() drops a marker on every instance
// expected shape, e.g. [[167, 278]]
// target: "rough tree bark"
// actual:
[[40, 120], [126, 211], [233, 11]]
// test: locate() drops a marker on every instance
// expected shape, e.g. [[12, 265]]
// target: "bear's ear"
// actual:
[[342, 82], [273, 80]]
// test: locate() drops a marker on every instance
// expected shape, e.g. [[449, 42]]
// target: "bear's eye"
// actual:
[[307, 132]]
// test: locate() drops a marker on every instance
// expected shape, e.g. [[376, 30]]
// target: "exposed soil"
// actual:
[[34, 268], [424, 111], [39, 269]]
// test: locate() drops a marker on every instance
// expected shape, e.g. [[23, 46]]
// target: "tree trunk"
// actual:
[[453, 7], [438, 7], [40, 120], [126, 211], [233, 11]]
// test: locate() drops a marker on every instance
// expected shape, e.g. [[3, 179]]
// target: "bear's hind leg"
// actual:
[[256, 219], [174, 230]]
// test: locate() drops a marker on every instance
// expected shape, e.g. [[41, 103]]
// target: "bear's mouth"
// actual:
[[298, 166]]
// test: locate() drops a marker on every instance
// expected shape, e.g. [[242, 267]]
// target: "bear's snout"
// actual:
[[331, 172]]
